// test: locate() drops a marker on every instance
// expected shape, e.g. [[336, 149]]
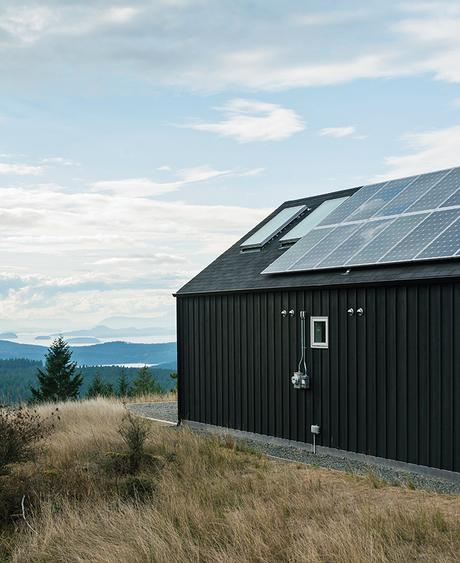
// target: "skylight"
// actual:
[[312, 219], [272, 227]]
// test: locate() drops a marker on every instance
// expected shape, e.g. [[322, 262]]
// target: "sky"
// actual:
[[140, 139]]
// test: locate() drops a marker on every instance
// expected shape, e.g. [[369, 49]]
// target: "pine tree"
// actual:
[[173, 376], [123, 385], [99, 388], [145, 384], [58, 381]]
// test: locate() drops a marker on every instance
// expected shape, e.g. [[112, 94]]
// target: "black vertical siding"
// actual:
[[388, 385]]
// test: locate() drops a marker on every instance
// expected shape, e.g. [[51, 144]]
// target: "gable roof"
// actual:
[[241, 271]]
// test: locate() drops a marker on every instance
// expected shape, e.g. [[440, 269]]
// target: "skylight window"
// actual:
[[312, 219], [272, 227]]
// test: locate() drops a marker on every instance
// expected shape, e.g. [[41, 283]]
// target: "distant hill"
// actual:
[[16, 377], [107, 353], [8, 335]]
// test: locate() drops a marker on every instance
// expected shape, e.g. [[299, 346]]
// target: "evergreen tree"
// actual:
[[58, 381], [145, 384], [99, 388], [123, 385], [173, 376]]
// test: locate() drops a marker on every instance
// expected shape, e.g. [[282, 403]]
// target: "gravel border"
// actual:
[[166, 412], [380, 474]]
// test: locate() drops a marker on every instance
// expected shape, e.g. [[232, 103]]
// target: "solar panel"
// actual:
[[386, 194], [439, 193], [345, 251], [352, 204], [446, 244], [297, 251], [382, 243], [312, 219], [415, 241], [273, 226], [413, 192], [324, 246], [453, 200], [416, 218]]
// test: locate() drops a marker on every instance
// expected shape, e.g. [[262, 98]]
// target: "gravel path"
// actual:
[[158, 411], [377, 472]]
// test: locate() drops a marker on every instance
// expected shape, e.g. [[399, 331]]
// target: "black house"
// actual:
[[337, 317]]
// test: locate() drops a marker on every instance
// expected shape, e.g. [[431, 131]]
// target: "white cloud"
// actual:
[[433, 29], [30, 24], [250, 120], [430, 150], [338, 132], [192, 44], [331, 17], [59, 160], [20, 169], [74, 258], [144, 187]]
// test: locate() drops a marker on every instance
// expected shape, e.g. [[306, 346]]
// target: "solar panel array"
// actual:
[[409, 219]]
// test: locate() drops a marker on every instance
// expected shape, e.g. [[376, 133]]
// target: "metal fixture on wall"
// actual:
[[360, 312], [351, 312], [315, 431], [300, 379], [285, 313]]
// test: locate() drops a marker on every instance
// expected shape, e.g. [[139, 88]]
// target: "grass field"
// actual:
[[204, 499]]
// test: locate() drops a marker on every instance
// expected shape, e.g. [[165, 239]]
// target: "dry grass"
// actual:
[[209, 500], [164, 398]]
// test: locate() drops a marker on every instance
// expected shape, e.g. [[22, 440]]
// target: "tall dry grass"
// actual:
[[211, 500]]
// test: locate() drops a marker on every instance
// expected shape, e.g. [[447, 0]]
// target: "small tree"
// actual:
[[145, 384], [58, 381], [123, 385], [99, 388], [173, 376]]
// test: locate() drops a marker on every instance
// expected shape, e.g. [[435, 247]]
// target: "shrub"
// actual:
[[134, 432], [20, 430]]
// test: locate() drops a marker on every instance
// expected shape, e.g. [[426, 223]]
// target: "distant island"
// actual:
[[109, 353], [83, 340], [8, 335]]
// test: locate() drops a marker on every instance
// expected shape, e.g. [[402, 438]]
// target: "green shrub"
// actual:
[[134, 432]]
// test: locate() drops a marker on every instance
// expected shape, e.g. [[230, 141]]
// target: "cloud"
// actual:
[[432, 28], [144, 187], [249, 120], [430, 150], [20, 169], [191, 44], [29, 24], [327, 18], [59, 160], [337, 132], [76, 257]]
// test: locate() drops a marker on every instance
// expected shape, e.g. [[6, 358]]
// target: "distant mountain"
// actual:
[[8, 335], [83, 340], [103, 331], [108, 353]]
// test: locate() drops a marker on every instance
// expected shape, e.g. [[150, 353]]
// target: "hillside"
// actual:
[[190, 497], [107, 353], [16, 377]]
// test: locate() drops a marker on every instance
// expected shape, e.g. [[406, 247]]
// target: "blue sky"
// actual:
[[139, 139]]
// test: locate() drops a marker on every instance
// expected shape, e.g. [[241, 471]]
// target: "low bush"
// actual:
[[134, 432], [20, 430]]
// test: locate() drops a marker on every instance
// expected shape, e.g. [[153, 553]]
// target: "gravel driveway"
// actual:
[[167, 412]]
